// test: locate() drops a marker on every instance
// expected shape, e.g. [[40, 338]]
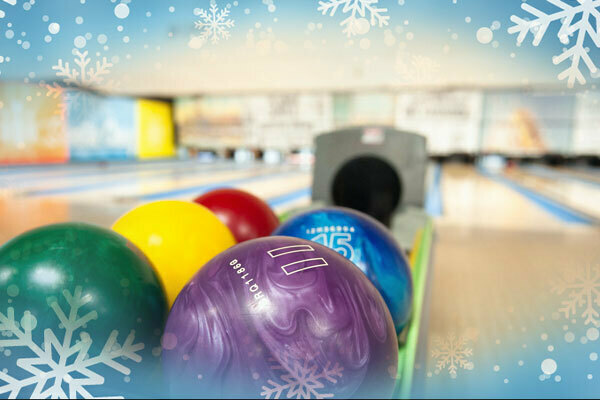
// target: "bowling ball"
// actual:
[[365, 242], [247, 216], [81, 314], [280, 317], [178, 237]]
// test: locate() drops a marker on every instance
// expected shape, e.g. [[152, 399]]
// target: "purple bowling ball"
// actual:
[[280, 317]]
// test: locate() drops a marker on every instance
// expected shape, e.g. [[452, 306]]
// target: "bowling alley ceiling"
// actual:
[[179, 47]]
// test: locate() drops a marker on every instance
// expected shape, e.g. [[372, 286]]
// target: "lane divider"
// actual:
[[100, 172], [433, 199], [90, 168], [105, 184], [283, 199], [553, 207]]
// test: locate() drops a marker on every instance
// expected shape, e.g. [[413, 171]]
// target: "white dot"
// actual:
[[520, 363], [45, 18], [505, 380], [126, 39], [79, 20], [102, 38], [496, 25], [550, 348], [592, 334], [590, 376], [26, 45], [594, 356], [79, 42], [54, 28], [544, 336], [569, 337], [548, 366], [9, 34], [468, 20], [88, 36], [47, 38], [557, 378], [485, 35], [12, 290], [121, 10], [171, 9], [496, 368], [120, 28], [149, 14]]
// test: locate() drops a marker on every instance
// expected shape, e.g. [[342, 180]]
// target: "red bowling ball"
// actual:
[[247, 216]]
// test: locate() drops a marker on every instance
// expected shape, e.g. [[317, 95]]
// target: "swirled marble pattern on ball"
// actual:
[[280, 317], [365, 242]]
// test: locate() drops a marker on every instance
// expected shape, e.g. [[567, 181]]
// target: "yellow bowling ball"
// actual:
[[178, 237]]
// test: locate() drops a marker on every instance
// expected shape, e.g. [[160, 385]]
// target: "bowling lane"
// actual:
[[472, 200], [76, 180], [101, 203], [173, 183], [580, 196], [494, 300]]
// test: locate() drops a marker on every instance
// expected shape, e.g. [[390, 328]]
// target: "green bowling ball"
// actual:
[[81, 314]]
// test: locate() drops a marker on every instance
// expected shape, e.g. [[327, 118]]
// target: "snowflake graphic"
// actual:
[[56, 91], [356, 23], [214, 23], [73, 373], [452, 353], [83, 76], [582, 19], [10, 2], [582, 284], [301, 379], [415, 68]]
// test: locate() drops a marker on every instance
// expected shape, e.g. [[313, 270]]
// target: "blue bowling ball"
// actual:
[[368, 244]]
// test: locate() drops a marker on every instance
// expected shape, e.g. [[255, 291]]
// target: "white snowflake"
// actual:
[[66, 372], [301, 379], [356, 23], [82, 76], [11, 2], [582, 286], [214, 23], [574, 19], [415, 68], [56, 91], [452, 353]]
